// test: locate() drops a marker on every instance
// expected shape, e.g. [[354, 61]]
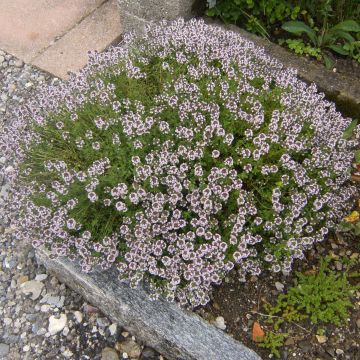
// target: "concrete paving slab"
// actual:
[[95, 32], [29, 26]]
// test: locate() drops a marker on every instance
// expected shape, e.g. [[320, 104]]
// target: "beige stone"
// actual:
[[95, 32], [29, 26]]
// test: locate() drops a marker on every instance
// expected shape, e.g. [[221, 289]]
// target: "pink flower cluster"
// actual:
[[221, 170]]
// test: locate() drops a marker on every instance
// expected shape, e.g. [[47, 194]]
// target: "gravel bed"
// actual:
[[41, 318]]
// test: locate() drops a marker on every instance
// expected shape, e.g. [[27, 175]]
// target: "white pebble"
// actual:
[[220, 323], [56, 325]]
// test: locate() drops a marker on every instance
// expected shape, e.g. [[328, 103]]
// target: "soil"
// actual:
[[346, 66], [240, 304]]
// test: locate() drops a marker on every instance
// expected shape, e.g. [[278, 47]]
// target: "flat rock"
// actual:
[[32, 287], [57, 324], [169, 329]]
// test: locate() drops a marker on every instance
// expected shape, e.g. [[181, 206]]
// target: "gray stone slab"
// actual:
[[343, 90], [135, 14], [171, 330]]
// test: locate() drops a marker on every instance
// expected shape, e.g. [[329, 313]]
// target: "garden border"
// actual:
[[172, 331]]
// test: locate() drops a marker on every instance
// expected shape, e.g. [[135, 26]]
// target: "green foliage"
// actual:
[[324, 296], [329, 38], [333, 10], [255, 16], [273, 341], [299, 47], [326, 24]]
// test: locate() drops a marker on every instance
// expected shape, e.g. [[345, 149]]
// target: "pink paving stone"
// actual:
[[95, 32], [29, 26]]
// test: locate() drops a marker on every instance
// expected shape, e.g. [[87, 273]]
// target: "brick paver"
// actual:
[[56, 35], [95, 32]]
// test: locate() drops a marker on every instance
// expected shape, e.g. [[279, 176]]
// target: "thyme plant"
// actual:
[[176, 157]]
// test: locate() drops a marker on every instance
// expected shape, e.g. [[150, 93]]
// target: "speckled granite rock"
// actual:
[[166, 327]]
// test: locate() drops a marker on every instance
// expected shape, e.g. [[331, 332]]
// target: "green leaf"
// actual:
[[328, 62], [349, 130], [299, 27], [357, 156], [338, 49], [347, 25], [334, 35]]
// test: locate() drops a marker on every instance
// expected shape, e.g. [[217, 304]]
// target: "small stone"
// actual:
[[53, 300], [289, 341], [279, 286], [338, 265], [109, 354], [22, 279], [149, 354], [358, 323], [89, 309], [18, 63], [67, 353], [321, 339], [330, 351], [130, 347], [339, 352], [112, 329], [257, 332], [102, 322], [32, 287], [305, 345], [7, 321], [41, 277], [66, 331], [125, 334], [41, 332], [4, 349], [57, 324], [26, 348], [354, 256], [78, 316], [45, 308], [220, 323]]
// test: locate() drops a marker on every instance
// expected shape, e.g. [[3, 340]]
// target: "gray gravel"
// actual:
[[41, 318]]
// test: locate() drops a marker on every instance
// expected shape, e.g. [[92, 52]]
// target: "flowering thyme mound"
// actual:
[[177, 156]]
